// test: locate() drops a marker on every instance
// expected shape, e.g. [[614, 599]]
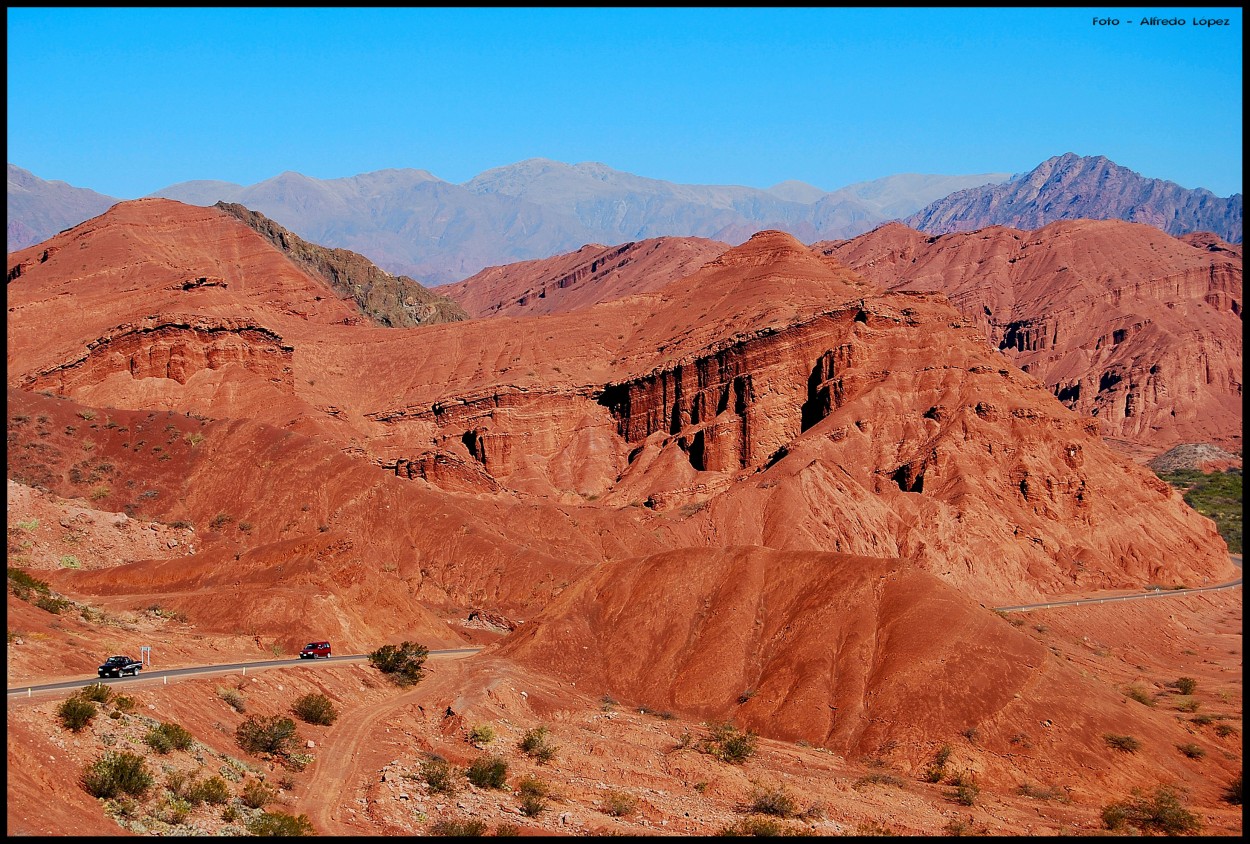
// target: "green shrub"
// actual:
[[534, 743], [439, 776], [96, 692], [1224, 730], [166, 737], [533, 796], [403, 664], [488, 772], [458, 828], [505, 830], [618, 804], [1161, 812], [1188, 704], [182, 784], [1193, 751], [1124, 744], [117, 773], [75, 713], [775, 802], [213, 790], [1140, 695], [1232, 794], [24, 585], [965, 789], [280, 824], [482, 734], [174, 811], [315, 709], [52, 603], [728, 744], [267, 734], [1185, 685], [257, 795]]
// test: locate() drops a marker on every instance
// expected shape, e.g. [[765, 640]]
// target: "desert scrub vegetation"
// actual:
[[937, 770], [481, 734], [619, 804], [280, 824], [965, 789], [117, 773], [402, 665], [776, 802], [1124, 744], [534, 793], [233, 697], [26, 586], [1038, 792], [879, 778], [1216, 495], [439, 776], [1184, 685], [257, 795], [220, 520], [1159, 812], [96, 692], [535, 745], [761, 826], [315, 708], [1191, 751], [1140, 695], [728, 744], [1232, 794], [488, 772], [167, 737], [75, 713], [213, 790], [271, 734], [455, 828]]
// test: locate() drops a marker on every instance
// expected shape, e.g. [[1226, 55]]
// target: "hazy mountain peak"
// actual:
[[792, 190], [1069, 187]]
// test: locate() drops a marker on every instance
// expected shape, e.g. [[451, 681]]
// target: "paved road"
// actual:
[[1159, 593], [163, 676], [149, 676]]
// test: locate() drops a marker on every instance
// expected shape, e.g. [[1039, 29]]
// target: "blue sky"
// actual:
[[127, 101]]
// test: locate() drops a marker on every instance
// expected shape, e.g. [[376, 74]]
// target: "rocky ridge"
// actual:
[[1070, 187]]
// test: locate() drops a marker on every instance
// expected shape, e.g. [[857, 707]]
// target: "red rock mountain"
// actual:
[[770, 398], [770, 475], [1123, 323], [591, 275], [1072, 187]]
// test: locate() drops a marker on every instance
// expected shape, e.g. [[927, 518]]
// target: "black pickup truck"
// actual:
[[120, 666]]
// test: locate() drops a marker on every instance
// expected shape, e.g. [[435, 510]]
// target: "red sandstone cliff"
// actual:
[[1122, 322], [770, 398]]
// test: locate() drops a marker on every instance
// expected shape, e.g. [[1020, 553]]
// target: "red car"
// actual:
[[315, 649]]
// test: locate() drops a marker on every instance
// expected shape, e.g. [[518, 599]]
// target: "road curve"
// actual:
[[164, 675], [1158, 593]]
